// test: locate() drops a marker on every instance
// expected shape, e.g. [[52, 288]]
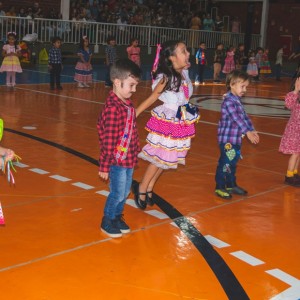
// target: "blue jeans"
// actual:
[[226, 169], [120, 180]]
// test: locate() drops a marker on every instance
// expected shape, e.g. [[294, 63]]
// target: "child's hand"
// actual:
[[9, 155], [103, 175], [253, 137], [297, 86]]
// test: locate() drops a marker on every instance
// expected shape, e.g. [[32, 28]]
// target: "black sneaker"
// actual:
[[222, 193], [237, 190], [60, 88], [120, 224], [109, 227], [293, 181]]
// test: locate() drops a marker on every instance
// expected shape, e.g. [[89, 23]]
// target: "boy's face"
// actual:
[[202, 46], [57, 44], [126, 87], [112, 42], [239, 88]]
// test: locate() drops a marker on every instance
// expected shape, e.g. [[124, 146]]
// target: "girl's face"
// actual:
[[239, 88], [11, 40], [180, 58], [86, 42], [135, 43]]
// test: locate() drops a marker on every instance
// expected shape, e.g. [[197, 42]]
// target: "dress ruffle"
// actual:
[[11, 64]]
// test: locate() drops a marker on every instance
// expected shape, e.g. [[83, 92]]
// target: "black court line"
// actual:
[[225, 276]]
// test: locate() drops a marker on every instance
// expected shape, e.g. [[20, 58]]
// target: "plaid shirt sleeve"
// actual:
[[108, 130]]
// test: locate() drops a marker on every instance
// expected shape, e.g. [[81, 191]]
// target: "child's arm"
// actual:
[[153, 97], [108, 134], [253, 137], [292, 97], [4, 53]]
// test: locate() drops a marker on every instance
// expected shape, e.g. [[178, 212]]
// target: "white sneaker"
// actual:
[[86, 85], [197, 83], [80, 85]]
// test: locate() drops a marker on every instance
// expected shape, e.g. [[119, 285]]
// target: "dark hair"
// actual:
[[235, 76], [124, 68], [14, 35], [55, 39], [110, 38], [166, 68], [81, 45], [132, 40]]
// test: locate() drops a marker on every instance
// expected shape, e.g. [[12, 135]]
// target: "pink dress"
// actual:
[[229, 62], [11, 63], [134, 54], [290, 141]]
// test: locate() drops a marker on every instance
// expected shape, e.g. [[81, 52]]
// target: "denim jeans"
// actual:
[[226, 169], [120, 180]]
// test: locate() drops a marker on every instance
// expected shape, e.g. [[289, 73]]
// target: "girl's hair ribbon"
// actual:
[[156, 60]]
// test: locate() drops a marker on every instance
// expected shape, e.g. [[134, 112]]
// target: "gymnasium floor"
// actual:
[[190, 245]]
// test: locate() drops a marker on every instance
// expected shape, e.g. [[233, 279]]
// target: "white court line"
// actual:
[[247, 258], [39, 171], [83, 185], [103, 192], [216, 242], [20, 165], [60, 178], [285, 277]]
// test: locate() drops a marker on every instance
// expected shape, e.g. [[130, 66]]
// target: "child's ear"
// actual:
[[117, 82]]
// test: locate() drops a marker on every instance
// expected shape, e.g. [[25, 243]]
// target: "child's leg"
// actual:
[[57, 76], [150, 177], [8, 78], [293, 164], [13, 78]]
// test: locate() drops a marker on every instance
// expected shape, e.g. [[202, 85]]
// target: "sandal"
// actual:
[[142, 204], [149, 199]]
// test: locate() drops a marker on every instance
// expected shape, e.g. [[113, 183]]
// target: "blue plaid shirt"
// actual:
[[234, 121], [54, 56], [111, 53]]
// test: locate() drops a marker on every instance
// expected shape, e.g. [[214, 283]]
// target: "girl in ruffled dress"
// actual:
[[11, 62], [252, 69], [83, 68], [172, 124], [229, 61], [265, 66], [133, 51]]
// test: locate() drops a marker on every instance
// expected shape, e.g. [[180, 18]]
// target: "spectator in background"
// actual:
[[37, 11], [235, 25], [2, 12], [219, 24], [195, 22], [208, 23], [278, 63]]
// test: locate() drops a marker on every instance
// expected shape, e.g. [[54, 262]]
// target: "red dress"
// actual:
[[290, 141]]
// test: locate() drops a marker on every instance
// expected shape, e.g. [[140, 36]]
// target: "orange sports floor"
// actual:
[[191, 245]]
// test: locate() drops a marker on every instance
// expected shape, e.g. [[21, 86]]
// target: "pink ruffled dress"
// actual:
[[169, 138], [290, 141]]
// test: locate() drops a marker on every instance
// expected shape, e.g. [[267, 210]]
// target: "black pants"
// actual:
[[199, 75], [55, 75]]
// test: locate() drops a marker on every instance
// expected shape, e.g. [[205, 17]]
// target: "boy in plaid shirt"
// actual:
[[233, 125], [119, 144], [55, 63]]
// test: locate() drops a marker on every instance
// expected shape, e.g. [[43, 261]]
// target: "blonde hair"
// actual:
[[234, 77]]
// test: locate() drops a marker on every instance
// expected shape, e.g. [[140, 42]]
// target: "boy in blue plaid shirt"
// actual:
[[233, 126], [55, 63]]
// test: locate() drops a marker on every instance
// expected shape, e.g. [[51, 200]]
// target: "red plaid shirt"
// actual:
[[111, 125]]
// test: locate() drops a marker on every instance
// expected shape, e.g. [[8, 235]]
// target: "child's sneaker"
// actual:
[[197, 82], [80, 85], [120, 223], [109, 227], [237, 190], [293, 181], [222, 193]]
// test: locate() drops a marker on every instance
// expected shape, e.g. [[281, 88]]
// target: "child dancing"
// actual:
[[11, 62], [290, 142], [172, 124], [233, 125]]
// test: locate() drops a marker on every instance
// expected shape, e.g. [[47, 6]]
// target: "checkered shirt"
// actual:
[[234, 121], [54, 56], [111, 53], [111, 125]]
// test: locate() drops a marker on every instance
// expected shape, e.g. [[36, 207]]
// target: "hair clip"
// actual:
[[11, 32], [84, 37], [155, 64]]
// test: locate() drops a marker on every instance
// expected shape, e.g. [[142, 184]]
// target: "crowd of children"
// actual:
[[172, 123]]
